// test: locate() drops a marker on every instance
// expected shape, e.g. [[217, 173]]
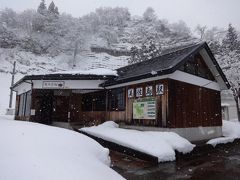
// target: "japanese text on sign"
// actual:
[[159, 89], [53, 84]]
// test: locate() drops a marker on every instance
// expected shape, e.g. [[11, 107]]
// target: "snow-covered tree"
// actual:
[[230, 64], [230, 42], [229, 59], [52, 9], [7, 38], [149, 14], [145, 52], [8, 17], [25, 20], [56, 12], [38, 22], [181, 29], [109, 35], [112, 16], [42, 8], [200, 30]]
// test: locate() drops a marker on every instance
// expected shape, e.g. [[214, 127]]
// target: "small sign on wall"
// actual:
[[130, 93], [32, 112], [159, 89], [139, 92], [53, 84]]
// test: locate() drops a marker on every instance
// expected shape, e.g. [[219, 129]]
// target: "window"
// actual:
[[94, 101], [99, 102], [21, 105], [28, 103], [87, 102], [116, 100]]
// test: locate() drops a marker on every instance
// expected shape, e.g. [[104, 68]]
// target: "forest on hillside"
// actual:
[[45, 31]]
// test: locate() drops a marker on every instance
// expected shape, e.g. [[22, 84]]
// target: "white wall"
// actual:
[[228, 101], [72, 84]]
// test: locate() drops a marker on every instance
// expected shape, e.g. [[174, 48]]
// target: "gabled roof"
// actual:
[[164, 64], [63, 76]]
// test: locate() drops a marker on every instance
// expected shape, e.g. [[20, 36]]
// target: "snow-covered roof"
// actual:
[[169, 63], [159, 144], [92, 74], [97, 71]]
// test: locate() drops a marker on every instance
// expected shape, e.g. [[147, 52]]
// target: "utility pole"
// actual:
[[75, 54], [11, 91]]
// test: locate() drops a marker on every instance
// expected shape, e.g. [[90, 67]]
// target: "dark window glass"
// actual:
[[28, 103], [22, 104], [99, 101], [94, 101], [116, 99], [87, 102]]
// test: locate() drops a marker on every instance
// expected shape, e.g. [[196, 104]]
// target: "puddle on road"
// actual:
[[222, 163]]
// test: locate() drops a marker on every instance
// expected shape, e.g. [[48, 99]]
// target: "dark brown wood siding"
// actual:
[[193, 106], [161, 105]]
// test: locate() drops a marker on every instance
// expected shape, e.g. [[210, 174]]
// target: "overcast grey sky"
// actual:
[[205, 12]]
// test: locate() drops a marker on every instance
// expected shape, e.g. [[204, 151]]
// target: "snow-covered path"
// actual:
[[159, 144], [31, 151]]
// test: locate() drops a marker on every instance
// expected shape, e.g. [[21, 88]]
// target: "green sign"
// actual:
[[144, 108]]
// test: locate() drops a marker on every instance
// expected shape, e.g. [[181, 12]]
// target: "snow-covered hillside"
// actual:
[[29, 63]]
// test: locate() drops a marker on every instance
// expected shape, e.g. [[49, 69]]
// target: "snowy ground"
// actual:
[[31, 151], [231, 131], [159, 144]]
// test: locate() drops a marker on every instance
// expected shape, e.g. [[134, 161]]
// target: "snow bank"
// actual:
[[221, 140], [34, 151], [97, 71], [159, 144], [231, 131]]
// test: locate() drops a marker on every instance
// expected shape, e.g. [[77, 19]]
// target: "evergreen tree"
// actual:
[[149, 14], [42, 8], [51, 8], [134, 55], [230, 42], [154, 51], [145, 52], [56, 12]]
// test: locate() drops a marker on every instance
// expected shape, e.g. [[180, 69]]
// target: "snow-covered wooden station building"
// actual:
[[178, 91]]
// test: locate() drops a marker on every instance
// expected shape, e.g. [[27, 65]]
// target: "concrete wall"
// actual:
[[229, 103], [191, 134]]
